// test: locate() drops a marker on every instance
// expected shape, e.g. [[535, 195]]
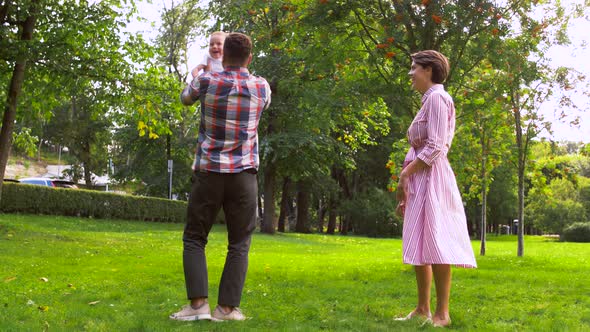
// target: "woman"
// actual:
[[435, 229]]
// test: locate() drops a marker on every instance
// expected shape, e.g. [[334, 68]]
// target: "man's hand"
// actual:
[[189, 95]]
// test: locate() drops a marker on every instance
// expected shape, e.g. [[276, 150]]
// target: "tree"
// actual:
[[531, 82], [88, 33], [24, 21], [313, 115], [502, 196], [179, 27], [557, 207], [82, 125], [471, 34], [556, 198], [163, 129], [365, 69], [483, 106]]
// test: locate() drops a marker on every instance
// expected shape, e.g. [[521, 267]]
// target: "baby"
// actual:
[[212, 60]]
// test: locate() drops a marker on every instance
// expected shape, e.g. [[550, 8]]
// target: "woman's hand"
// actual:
[[402, 194], [400, 210]]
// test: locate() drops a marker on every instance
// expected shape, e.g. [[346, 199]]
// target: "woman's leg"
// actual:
[[424, 280], [442, 282]]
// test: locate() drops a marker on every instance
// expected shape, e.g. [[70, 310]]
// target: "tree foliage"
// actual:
[[94, 67], [333, 138]]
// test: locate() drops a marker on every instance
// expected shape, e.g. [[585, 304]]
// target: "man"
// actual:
[[224, 175]]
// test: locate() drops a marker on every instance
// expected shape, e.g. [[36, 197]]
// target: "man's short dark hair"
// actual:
[[236, 48]]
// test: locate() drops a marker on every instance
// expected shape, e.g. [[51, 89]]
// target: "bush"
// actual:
[[585, 193], [373, 214], [22, 198], [552, 217], [578, 232]]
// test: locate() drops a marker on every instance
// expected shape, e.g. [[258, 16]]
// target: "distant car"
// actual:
[[49, 182], [65, 184], [37, 181], [10, 180]]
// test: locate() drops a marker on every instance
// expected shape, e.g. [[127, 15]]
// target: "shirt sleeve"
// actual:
[[192, 92], [437, 128], [268, 93]]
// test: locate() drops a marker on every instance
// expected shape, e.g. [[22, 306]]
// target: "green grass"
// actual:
[[295, 282], [53, 158]]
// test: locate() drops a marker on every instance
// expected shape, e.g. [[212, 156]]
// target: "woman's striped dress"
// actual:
[[435, 227]]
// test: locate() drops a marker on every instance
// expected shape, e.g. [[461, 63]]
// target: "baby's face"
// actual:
[[216, 47]]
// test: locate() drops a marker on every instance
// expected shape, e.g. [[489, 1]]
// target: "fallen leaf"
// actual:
[[93, 302], [44, 279], [9, 279]]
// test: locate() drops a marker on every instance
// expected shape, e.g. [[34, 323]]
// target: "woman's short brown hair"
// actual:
[[236, 48], [435, 60]]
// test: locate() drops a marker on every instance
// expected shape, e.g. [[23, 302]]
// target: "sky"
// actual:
[[576, 55]]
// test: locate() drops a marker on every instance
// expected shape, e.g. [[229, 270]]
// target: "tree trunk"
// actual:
[[520, 251], [340, 176], [483, 227], [302, 210], [285, 201], [169, 157], [85, 158], [521, 164], [344, 225], [331, 216], [88, 177], [39, 150], [259, 205], [14, 90], [268, 220], [321, 215]]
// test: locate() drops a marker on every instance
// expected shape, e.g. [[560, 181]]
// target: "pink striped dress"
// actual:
[[435, 227]]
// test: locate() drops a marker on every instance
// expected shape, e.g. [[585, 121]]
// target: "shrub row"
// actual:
[[22, 198], [577, 232]]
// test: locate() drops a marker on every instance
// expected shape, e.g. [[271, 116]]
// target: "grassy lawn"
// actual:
[[105, 275]]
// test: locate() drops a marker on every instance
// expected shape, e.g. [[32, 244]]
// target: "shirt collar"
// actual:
[[429, 91], [238, 69]]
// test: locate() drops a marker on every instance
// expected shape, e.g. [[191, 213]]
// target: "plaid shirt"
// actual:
[[231, 104]]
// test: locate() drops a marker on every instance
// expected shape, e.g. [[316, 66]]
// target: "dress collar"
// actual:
[[429, 91]]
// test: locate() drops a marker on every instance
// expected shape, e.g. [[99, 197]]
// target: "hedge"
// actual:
[[577, 232], [23, 198]]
